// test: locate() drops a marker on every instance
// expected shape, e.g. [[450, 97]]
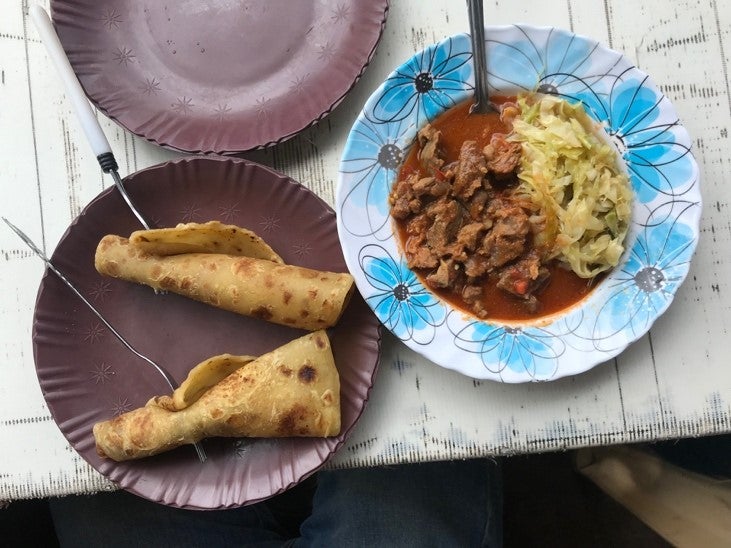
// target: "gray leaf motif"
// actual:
[[100, 290], [302, 249], [222, 111], [121, 406], [111, 18], [341, 13], [263, 108], [102, 373], [93, 333], [270, 223], [151, 86], [184, 105], [124, 56], [229, 211]]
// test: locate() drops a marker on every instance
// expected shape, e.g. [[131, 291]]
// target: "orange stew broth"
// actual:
[[563, 289]]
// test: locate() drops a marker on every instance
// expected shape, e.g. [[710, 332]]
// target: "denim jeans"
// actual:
[[456, 503]]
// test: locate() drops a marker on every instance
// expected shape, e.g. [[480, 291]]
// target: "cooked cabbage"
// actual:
[[573, 176]]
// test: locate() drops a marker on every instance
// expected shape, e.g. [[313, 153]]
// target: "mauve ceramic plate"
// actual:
[[87, 375], [218, 76]]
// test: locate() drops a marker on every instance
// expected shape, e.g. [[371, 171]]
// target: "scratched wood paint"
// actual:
[[674, 382]]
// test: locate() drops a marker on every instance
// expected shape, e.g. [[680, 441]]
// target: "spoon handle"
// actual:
[[477, 34]]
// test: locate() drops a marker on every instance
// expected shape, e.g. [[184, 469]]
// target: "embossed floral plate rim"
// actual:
[[639, 120], [87, 376], [218, 77]]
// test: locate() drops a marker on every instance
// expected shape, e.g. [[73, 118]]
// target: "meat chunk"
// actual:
[[469, 234], [503, 156], [421, 257], [477, 265], [470, 171], [429, 156], [402, 199], [524, 277], [445, 275], [431, 186], [508, 238], [472, 294], [418, 253], [446, 218], [476, 205]]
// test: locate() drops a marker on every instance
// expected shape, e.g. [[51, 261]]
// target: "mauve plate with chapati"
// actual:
[[88, 376], [218, 76]]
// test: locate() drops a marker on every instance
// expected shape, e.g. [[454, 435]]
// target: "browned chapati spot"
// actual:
[[262, 312], [288, 423], [307, 373], [243, 267]]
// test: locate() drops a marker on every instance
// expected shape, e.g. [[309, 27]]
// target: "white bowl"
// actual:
[[638, 119]]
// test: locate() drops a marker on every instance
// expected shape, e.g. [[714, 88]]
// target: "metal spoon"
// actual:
[[89, 123], [482, 103], [171, 382]]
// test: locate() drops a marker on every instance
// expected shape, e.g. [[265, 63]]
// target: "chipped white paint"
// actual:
[[674, 382]]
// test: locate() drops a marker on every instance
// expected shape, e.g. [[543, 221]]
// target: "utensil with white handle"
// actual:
[[82, 107]]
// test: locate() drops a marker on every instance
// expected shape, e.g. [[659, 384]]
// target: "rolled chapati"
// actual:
[[293, 391], [280, 293]]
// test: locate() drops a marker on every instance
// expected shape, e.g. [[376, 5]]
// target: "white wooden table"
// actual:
[[674, 382]]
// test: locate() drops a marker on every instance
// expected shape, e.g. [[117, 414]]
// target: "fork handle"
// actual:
[[81, 105]]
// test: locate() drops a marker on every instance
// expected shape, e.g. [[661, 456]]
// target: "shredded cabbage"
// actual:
[[573, 176]]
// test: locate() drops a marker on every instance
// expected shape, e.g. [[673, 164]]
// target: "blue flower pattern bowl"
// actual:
[[639, 120]]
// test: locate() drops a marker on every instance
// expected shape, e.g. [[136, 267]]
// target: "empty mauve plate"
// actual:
[[87, 375], [218, 76]]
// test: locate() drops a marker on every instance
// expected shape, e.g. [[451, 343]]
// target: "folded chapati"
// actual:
[[291, 391], [210, 237], [280, 293]]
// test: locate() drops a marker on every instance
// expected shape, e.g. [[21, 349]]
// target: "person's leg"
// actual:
[[440, 504], [122, 519]]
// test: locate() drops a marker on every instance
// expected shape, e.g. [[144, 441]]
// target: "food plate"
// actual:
[[87, 375], [638, 119], [218, 76]]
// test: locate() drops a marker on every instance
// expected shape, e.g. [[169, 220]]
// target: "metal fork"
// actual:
[[171, 382]]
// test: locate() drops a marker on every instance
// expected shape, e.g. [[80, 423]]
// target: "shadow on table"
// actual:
[[608, 496], [548, 502]]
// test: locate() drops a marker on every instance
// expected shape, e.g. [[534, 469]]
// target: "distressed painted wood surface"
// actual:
[[674, 382]]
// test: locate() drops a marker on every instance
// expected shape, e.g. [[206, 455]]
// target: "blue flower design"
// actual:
[[644, 286], [426, 85], [550, 61], [400, 301], [371, 160], [523, 350], [641, 123], [656, 150]]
